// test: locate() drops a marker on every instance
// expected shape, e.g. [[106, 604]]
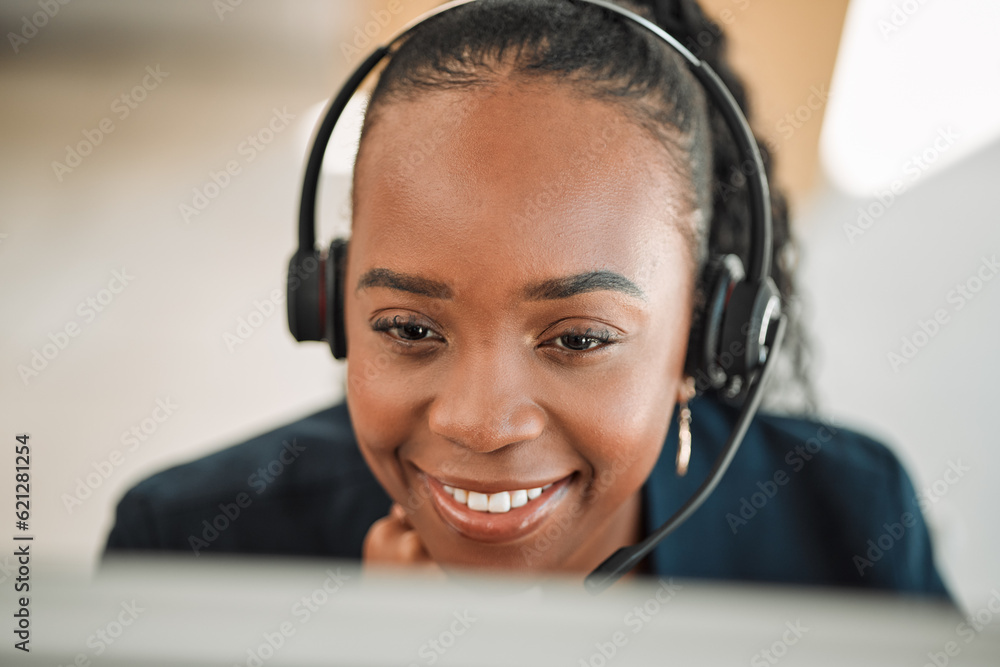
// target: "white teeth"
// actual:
[[500, 502], [479, 502], [497, 503]]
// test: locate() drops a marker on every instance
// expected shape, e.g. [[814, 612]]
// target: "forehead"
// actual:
[[525, 174]]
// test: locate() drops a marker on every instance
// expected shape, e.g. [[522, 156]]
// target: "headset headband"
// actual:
[[759, 259]]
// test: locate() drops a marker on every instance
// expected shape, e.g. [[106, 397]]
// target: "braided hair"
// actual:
[[614, 60]]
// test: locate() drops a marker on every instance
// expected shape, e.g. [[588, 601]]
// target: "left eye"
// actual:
[[581, 342], [409, 331], [412, 331]]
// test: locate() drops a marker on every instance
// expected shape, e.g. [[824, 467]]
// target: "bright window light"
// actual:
[[916, 89]]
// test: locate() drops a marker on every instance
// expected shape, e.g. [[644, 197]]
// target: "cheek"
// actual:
[[621, 435], [622, 417], [384, 407], [380, 389]]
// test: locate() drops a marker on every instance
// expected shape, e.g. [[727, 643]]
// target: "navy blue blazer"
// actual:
[[803, 503]]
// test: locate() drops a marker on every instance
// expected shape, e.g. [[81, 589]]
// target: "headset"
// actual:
[[731, 351]]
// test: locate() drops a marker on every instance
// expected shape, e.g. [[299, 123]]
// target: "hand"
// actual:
[[392, 540]]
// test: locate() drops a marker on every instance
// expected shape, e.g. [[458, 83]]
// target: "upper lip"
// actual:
[[492, 486]]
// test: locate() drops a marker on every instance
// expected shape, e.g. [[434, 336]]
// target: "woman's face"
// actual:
[[518, 298]]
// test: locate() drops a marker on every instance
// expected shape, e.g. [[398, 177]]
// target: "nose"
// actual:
[[485, 403]]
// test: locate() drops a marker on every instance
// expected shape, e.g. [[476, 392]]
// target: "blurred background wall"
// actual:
[[137, 280]]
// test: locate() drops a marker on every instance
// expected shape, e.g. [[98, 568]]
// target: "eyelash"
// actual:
[[602, 337], [385, 325]]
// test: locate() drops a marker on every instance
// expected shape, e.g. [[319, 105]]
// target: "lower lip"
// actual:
[[496, 527]]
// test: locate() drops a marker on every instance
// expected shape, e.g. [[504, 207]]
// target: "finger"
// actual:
[[391, 541], [415, 554], [379, 541], [399, 513], [411, 549]]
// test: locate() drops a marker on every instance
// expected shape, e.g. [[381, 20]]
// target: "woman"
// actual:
[[536, 193]]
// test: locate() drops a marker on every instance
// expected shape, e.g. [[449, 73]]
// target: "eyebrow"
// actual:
[[403, 282], [591, 281], [546, 290]]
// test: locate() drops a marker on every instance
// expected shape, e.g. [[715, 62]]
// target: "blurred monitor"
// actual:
[[254, 612]]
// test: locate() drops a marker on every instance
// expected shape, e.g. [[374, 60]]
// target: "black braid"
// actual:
[[685, 20], [617, 61]]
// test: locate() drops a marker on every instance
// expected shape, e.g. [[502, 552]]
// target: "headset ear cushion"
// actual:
[[304, 296], [751, 310], [336, 261], [722, 275]]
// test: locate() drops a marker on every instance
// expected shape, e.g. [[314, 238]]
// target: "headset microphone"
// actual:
[[620, 562], [740, 330]]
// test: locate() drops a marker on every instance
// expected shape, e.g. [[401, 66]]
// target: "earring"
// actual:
[[684, 433]]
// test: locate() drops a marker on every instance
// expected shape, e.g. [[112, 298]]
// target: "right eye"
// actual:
[[404, 331]]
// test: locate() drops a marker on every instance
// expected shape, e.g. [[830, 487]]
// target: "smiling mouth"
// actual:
[[500, 516], [497, 503]]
